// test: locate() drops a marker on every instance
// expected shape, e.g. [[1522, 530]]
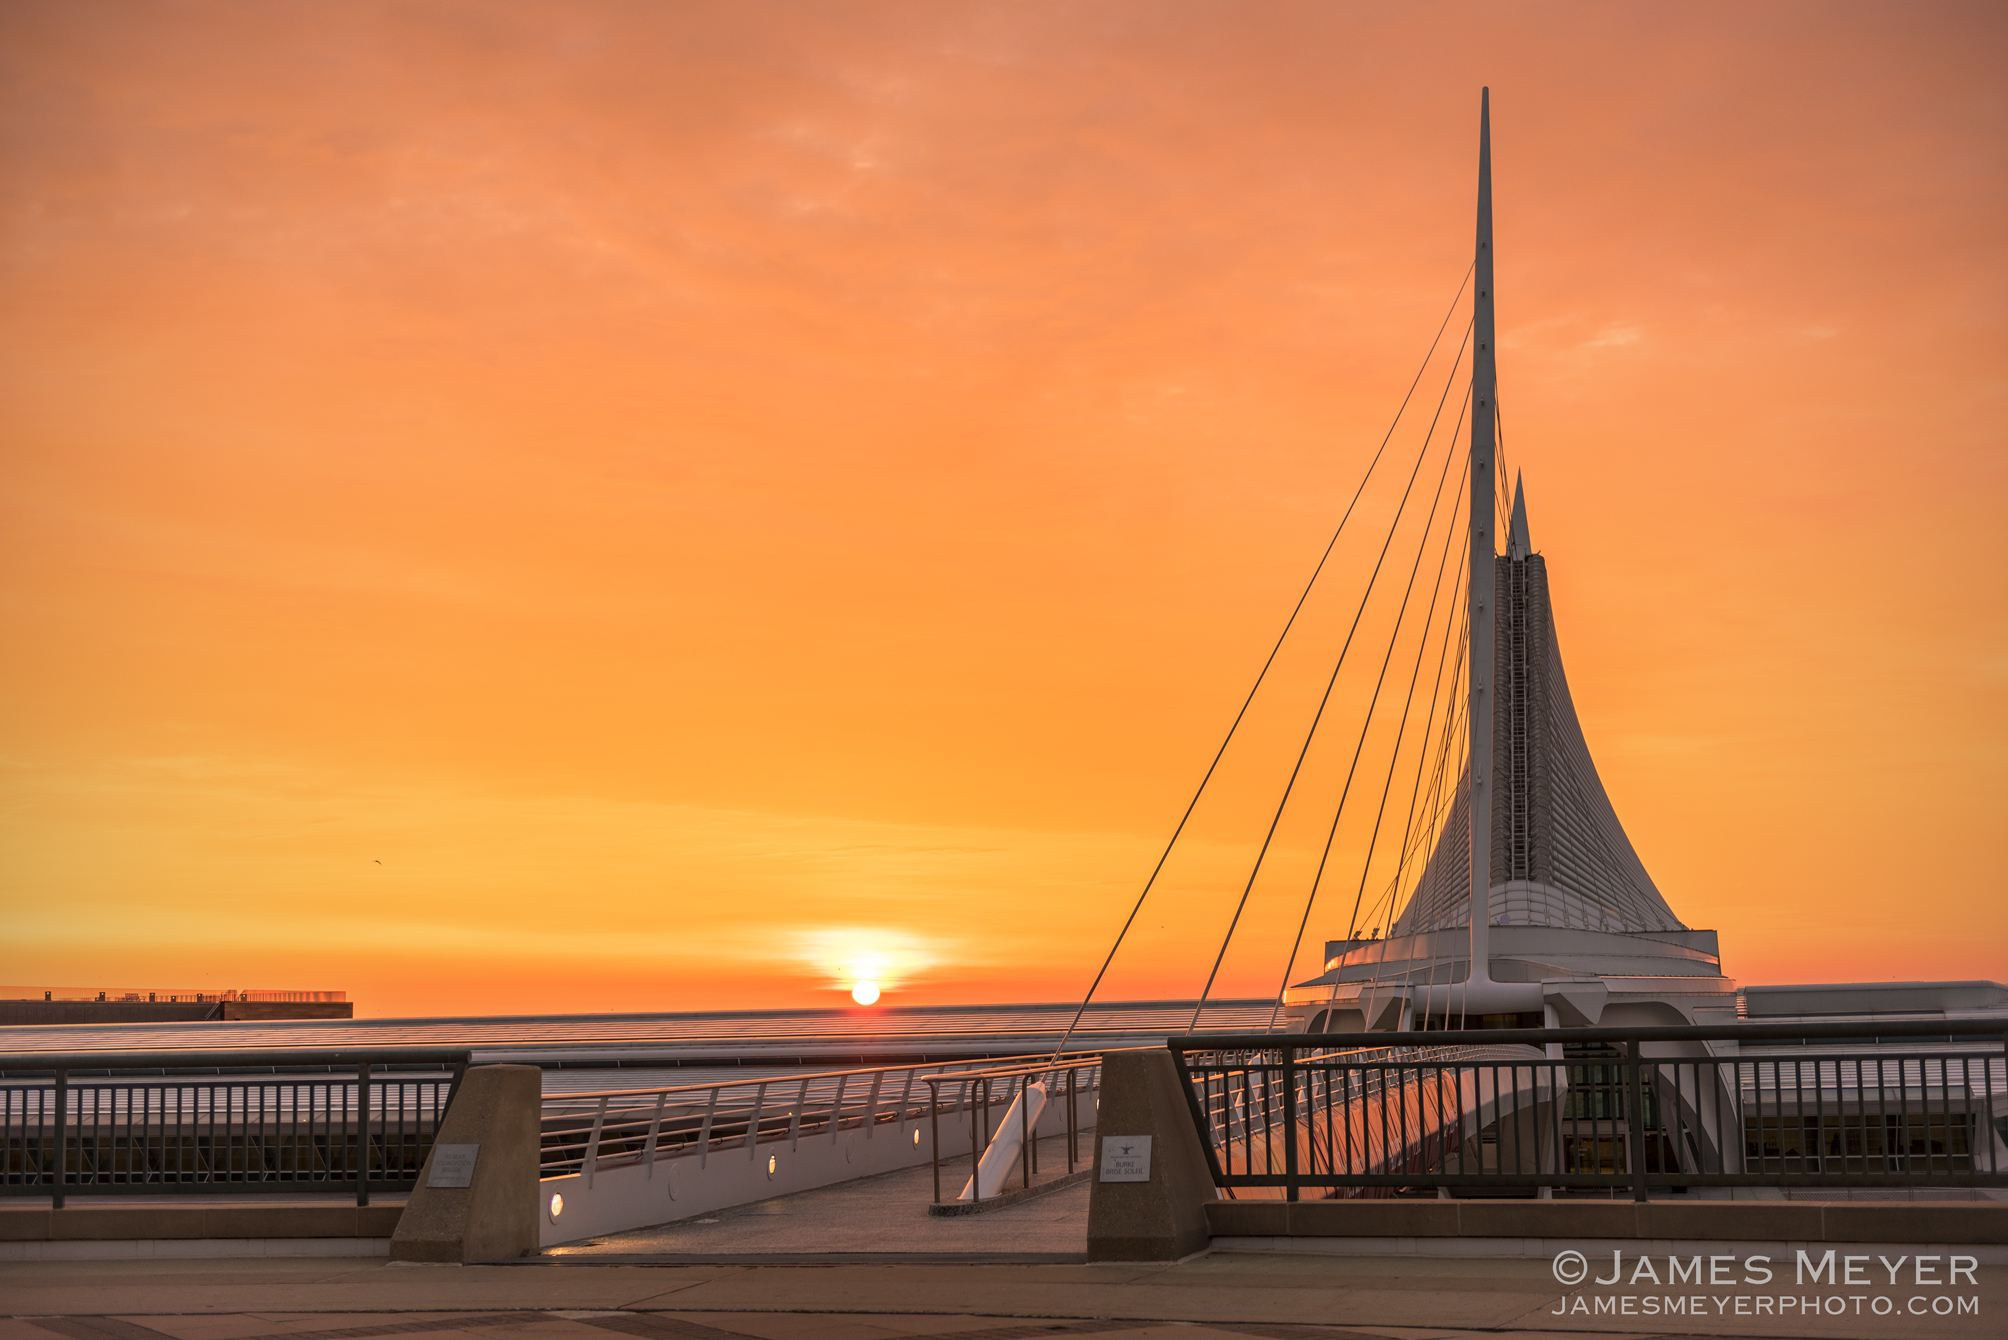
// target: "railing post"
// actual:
[[837, 1109], [654, 1130], [1993, 1159], [1073, 1117], [1289, 1121], [704, 1136], [753, 1126], [1025, 1129], [933, 1126], [62, 1115], [1635, 1127], [906, 1101], [362, 1133], [871, 1105], [976, 1127], [592, 1160]]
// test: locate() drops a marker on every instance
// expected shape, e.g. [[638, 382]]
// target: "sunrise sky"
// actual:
[[559, 507]]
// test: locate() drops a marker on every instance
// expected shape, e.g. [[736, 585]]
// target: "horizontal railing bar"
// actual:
[[341, 1182], [1828, 1086], [1587, 1180], [29, 1063], [1923, 1179], [1043, 1068], [395, 1079], [1622, 1181], [554, 1100], [1258, 1042]]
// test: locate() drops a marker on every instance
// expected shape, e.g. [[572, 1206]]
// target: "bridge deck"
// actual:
[[883, 1214]]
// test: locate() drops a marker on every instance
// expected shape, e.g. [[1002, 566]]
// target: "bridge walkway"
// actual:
[[882, 1216]]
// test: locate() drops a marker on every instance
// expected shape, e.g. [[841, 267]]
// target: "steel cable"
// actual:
[[1421, 649], [1264, 672], [1372, 579]]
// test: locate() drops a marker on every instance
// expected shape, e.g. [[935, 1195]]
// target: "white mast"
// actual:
[[1480, 588]]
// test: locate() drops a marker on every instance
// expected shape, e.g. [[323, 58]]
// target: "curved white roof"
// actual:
[[1559, 855]]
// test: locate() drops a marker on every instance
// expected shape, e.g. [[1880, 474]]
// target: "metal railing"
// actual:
[[1614, 1109], [155, 1123], [586, 1133], [1073, 1066]]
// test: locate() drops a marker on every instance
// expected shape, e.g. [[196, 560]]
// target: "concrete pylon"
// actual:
[[493, 1216], [1164, 1218]]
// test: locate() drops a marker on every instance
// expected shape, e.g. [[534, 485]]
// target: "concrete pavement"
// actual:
[[885, 1268], [1224, 1294]]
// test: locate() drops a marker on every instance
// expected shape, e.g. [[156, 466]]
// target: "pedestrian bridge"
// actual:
[[356, 1143]]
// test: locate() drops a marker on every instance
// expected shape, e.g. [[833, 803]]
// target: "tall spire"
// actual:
[[1484, 378], [1533, 821], [1517, 543]]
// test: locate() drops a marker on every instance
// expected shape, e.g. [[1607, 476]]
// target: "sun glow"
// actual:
[[868, 961]]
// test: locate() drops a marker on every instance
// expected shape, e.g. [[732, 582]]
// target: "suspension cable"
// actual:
[[1318, 716], [1413, 840], [1387, 787], [1454, 713], [1421, 648], [1437, 797], [1261, 675], [1453, 717], [1416, 839]]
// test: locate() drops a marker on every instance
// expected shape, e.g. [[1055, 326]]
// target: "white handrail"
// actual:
[[643, 1125]]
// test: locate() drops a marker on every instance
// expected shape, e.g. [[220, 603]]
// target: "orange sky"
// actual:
[[575, 506]]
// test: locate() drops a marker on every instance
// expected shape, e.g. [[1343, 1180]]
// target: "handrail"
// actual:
[[35, 1063], [1044, 1065], [1842, 1032], [1070, 1062], [789, 1077]]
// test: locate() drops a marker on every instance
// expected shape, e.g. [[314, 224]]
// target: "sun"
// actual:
[[865, 993]]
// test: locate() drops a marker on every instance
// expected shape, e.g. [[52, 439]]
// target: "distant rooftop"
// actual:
[[159, 994], [1868, 998]]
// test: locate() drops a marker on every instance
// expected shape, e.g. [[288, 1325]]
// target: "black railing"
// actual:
[[1612, 1109], [154, 1123]]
